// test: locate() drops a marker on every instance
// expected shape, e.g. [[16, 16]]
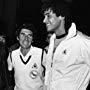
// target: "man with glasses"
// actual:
[[26, 61]]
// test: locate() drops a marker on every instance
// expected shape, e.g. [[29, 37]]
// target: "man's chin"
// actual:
[[49, 29]]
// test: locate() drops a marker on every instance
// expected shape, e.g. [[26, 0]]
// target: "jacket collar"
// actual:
[[72, 31]]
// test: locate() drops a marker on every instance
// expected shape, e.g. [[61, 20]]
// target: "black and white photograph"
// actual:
[[44, 45]]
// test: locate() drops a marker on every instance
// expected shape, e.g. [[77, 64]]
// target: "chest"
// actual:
[[33, 63], [57, 42], [65, 53]]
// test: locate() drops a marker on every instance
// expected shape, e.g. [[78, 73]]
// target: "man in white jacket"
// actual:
[[68, 58], [26, 61]]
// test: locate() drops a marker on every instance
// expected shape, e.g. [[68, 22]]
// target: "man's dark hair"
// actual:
[[59, 7], [25, 26]]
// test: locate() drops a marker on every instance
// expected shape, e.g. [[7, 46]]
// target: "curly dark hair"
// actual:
[[25, 26], [59, 7]]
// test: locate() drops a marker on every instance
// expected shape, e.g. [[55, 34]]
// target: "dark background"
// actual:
[[14, 12]]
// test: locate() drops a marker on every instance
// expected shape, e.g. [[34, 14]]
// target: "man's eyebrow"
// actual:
[[25, 33], [30, 34], [22, 33], [47, 13]]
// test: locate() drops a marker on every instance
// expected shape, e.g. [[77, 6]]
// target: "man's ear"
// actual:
[[32, 40], [18, 38], [61, 17]]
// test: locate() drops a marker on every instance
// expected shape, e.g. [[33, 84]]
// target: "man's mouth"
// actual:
[[25, 42], [48, 24]]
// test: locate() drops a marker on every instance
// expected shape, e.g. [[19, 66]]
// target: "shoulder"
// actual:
[[84, 40], [15, 52], [83, 37], [37, 50]]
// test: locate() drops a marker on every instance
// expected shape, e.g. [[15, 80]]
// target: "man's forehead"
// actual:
[[26, 31]]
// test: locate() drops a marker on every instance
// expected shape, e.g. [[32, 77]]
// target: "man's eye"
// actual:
[[48, 16], [22, 34], [29, 36]]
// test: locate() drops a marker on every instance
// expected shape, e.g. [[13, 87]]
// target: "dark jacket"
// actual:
[[4, 73]]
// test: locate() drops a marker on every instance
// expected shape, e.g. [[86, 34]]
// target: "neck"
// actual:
[[61, 29], [24, 51], [60, 33]]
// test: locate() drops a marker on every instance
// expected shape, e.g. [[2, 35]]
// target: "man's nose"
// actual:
[[26, 37], [45, 20]]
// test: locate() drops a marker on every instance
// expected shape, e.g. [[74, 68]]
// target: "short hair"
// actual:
[[59, 7], [25, 26]]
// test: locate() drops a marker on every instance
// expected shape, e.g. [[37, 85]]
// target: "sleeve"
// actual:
[[86, 55], [86, 52], [44, 59], [9, 61]]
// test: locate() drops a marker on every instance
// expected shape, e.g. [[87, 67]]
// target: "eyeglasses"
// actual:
[[26, 35]]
